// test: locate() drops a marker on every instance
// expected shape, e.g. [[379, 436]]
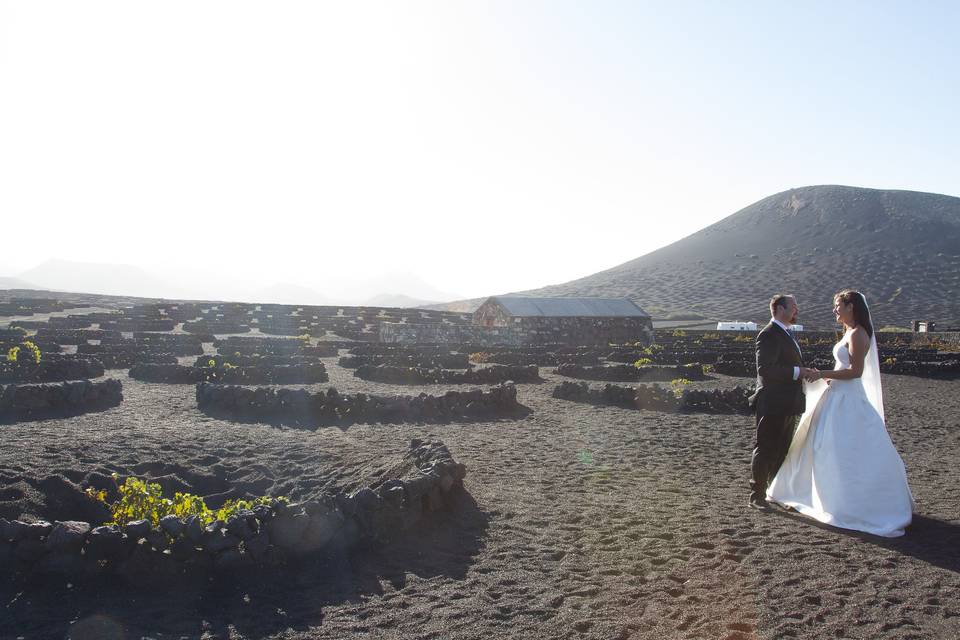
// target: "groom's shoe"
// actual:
[[758, 503]]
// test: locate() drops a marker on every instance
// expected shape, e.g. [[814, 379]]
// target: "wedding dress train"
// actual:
[[842, 469]]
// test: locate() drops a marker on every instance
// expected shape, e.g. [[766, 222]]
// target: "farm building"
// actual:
[[736, 326], [574, 321]]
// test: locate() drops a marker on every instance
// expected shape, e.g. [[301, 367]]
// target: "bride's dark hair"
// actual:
[[861, 313]]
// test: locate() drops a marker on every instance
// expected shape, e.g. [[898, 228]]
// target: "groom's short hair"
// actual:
[[779, 300]]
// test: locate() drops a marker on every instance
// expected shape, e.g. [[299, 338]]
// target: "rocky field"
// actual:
[[576, 521]]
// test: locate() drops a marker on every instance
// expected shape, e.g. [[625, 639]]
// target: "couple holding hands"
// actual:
[[821, 445]]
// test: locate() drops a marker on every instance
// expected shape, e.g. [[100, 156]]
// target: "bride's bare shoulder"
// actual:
[[859, 337]]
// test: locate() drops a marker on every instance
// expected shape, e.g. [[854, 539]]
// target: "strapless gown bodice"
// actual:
[[842, 468]]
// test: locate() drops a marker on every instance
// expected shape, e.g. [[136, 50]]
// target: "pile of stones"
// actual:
[[269, 534], [300, 408], [411, 375], [20, 402]]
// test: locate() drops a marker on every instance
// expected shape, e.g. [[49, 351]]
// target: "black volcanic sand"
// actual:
[[580, 522]]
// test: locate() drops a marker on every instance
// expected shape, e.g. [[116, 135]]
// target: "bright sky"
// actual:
[[485, 146]]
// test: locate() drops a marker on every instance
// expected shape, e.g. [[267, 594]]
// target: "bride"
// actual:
[[842, 469]]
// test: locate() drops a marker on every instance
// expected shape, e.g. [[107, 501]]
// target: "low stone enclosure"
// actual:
[[125, 324], [57, 370], [273, 346], [437, 361], [253, 361], [259, 374], [630, 373], [21, 402], [211, 327], [300, 408], [377, 349], [655, 398], [493, 374], [267, 535]]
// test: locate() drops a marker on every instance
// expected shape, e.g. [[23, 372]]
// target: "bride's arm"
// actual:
[[858, 345]]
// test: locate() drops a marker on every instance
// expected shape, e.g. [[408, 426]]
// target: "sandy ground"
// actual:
[[579, 522]]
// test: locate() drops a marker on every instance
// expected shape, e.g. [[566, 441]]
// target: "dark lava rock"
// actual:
[[237, 525], [137, 529], [18, 530], [194, 529], [67, 536], [172, 525], [287, 531], [217, 541], [257, 545], [106, 543], [366, 499]]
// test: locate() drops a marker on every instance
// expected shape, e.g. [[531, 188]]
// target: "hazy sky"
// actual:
[[484, 146]]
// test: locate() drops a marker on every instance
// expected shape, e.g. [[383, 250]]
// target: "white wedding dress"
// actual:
[[842, 469]]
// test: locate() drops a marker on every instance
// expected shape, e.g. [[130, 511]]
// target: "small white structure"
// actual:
[[796, 327], [736, 326]]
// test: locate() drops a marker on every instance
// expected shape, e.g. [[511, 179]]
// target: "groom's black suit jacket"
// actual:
[[777, 392]]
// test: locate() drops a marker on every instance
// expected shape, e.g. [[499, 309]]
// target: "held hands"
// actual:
[[810, 375]]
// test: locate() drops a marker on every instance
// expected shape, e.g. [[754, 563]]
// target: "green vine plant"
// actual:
[[642, 362], [142, 500], [14, 353], [677, 384]]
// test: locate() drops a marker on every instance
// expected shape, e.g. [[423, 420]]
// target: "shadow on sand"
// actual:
[[312, 424], [253, 604], [933, 541]]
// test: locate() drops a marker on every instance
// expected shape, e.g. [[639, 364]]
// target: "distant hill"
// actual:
[[288, 293], [397, 300], [901, 248], [16, 283], [95, 277]]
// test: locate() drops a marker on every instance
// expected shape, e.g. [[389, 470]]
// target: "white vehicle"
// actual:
[[736, 326]]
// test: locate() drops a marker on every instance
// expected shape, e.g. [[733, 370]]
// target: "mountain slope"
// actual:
[[901, 248], [96, 277]]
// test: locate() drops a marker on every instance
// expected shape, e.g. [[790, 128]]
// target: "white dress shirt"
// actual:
[[796, 370]]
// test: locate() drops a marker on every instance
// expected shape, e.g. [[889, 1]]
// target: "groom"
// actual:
[[779, 399]]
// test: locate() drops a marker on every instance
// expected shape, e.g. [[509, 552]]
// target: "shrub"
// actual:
[[889, 362], [142, 500], [677, 384], [642, 362], [679, 333], [26, 350], [479, 357]]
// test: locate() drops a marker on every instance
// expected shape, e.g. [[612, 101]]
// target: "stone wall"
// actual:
[[267, 535], [20, 402], [493, 374], [655, 398], [300, 408], [260, 374], [530, 331]]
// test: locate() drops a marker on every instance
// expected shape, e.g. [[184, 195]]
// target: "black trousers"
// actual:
[[774, 434]]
